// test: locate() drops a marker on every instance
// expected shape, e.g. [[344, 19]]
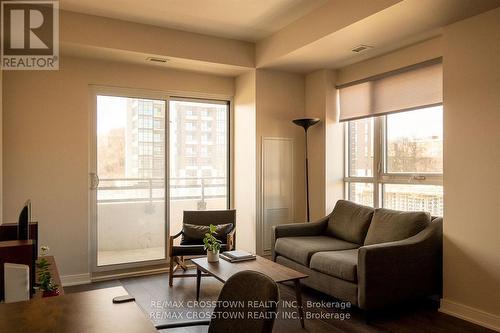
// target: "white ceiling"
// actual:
[[399, 25], [249, 20]]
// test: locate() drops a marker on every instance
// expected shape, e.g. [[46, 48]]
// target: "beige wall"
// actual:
[[326, 143], [315, 107], [46, 150], [245, 163], [472, 162], [279, 99], [334, 154]]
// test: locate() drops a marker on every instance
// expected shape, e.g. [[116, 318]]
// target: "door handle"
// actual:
[[94, 181]]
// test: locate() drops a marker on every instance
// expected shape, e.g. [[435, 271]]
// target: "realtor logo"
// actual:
[[30, 35]]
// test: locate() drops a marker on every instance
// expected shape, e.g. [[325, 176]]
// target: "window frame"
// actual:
[[380, 174]]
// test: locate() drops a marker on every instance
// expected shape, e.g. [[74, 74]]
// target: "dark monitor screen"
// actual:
[[24, 220]]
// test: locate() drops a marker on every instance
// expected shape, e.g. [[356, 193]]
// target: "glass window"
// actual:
[[158, 110], [145, 162], [415, 141], [158, 137], [190, 126], [158, 163], [159, 149], [145, 148], [145, 122], [402, 167], [428, 198], [190, 151], [206, 137], [145, 135], [206, 126], [361, 193], [360, 141]]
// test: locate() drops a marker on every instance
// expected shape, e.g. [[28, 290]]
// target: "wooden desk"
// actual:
[[85, 312]]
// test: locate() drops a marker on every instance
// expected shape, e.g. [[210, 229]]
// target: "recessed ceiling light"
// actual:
[[160, 60], [361, 48]]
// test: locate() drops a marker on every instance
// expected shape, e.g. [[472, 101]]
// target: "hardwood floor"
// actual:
[[158, 302]]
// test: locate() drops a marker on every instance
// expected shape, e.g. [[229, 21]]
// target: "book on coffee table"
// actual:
[[237, 255]]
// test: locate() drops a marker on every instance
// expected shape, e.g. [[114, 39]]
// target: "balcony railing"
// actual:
[[116, 190]]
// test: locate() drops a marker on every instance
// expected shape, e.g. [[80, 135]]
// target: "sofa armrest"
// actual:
[[315, 228], [389, 273]]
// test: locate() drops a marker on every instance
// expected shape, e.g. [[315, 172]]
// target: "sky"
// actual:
[[111, 113], [419, 123]]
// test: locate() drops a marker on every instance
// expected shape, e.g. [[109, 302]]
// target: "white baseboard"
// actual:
[[142, 272], [73, 280], [468, 313], [86, 278]]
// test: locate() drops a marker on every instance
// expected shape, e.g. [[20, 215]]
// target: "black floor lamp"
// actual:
[[306, 123]]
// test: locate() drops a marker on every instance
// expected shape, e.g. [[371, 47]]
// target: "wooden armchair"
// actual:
[[191, 247]]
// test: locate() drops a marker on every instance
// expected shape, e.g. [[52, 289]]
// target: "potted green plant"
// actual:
[[45, 282], [212, 244]]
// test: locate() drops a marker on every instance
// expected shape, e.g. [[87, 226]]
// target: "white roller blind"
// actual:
[[402, 90]]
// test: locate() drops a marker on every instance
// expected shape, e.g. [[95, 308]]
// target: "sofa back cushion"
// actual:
[[349, 221], [392, 225]]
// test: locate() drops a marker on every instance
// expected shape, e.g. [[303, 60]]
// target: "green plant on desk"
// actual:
[[45, 281]]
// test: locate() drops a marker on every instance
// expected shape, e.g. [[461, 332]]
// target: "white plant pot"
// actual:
[[212, 256]]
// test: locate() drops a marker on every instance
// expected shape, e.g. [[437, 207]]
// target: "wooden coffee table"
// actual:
[[223, 270]]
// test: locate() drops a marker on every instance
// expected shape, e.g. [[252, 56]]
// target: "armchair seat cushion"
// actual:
[[340, 264], [300, 249], [192, 250]]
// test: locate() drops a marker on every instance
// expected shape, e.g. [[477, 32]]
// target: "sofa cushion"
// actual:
[[341, 264], [350, 221], [392, 225], [300, 249]]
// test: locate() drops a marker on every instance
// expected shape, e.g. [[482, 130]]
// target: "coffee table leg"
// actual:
[[298, 296], [198, 282]]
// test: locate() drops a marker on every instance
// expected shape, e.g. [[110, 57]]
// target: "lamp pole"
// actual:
[[305, 123]]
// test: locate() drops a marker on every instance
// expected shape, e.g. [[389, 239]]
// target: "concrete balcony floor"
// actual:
[[127, 256]]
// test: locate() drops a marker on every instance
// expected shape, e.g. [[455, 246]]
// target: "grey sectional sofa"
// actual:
[[369, 257]]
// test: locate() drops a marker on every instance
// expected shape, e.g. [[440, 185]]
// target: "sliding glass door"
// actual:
[[137, 140], [199, 157], [130, 180]]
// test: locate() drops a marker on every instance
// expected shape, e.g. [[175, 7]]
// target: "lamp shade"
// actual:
[[305, 122]]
